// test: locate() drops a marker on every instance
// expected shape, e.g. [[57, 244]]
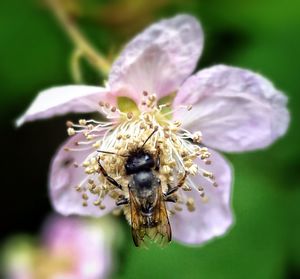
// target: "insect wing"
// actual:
[[159, 231], [163, 228], [137, 230]]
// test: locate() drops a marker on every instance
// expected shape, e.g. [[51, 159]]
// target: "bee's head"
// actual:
[[139, 160]]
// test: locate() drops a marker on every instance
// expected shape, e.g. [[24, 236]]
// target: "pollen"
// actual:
[[190, 203], [71, 132], [181, 154]]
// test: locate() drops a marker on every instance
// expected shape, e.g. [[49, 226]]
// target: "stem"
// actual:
[[81, 43], [75, 66]]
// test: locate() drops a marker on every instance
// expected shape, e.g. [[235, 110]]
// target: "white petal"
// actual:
[[64, 99], [235, 109], [212, 217], [64, 177], [159, 59]]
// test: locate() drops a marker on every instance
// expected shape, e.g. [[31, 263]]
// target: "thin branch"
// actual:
[[80, 42]]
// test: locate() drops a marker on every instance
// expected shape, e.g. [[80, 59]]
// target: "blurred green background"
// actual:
[[260, 35]]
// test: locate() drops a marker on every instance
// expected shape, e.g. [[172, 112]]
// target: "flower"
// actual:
[[222, 107], [69, 248]]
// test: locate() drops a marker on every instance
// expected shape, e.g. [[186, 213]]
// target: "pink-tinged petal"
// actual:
[[235, 109], [212, 216], [84, 242], [64, 99], [159, 59], [64, 177]]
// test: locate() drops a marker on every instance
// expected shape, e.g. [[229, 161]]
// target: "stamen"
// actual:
[[129, 115], [82, 122], [69, 124], [71, 132], [190, 204], [149, 130], [178, 108]]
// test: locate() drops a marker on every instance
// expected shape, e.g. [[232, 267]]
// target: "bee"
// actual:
[[148, 213]]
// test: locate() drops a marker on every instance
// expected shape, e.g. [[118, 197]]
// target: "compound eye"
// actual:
[[147, 158], [149, 161]]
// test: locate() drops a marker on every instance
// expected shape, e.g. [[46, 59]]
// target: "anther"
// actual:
[[190, 204], [186, 188], [142, 126], [96, 144], [97, 203], [90, 137], [71, 131], [152, 98], [177, 123], [165, 169], [172, 212], [197, 137], [91, 181], [208, 174], [189, 107], [78, 188], [69, 123], [193, 169], [200, 188], [90, 127], [85, 164], [85, 196], [129, 115], [82, 122]]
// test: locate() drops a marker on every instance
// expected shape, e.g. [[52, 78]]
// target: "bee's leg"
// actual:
[[170, 199], [122, 200], [182, 179], [110, 179], [157, 158], [172, 190]]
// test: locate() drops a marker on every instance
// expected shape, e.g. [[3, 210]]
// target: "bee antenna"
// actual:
[[155, 130], [112, 153]]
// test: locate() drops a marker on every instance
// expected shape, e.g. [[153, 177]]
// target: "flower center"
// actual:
[[110, 143]]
